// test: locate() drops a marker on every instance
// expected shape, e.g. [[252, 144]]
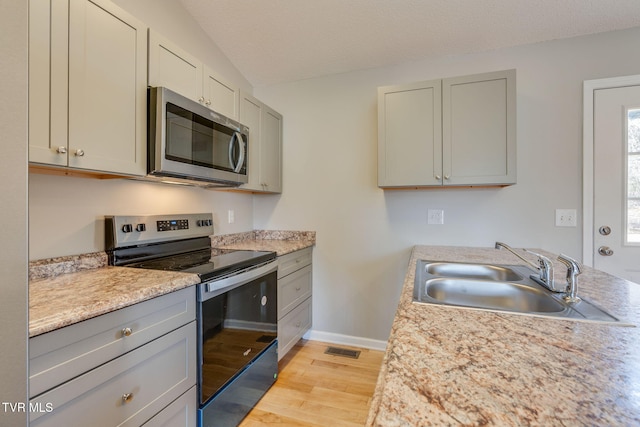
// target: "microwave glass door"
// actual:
[[193, 139]]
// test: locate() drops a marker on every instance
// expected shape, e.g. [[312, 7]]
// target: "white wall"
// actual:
[[364, 234], [13, 210], [171, 20], [66, 213]]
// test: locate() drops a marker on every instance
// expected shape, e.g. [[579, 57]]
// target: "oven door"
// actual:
[[238, 319]]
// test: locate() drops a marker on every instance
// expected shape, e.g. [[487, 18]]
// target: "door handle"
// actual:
[[605, 251], [605, 230]]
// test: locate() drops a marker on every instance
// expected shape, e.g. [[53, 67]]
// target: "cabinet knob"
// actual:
[[127, 397], [438, 177], [208, 102], [447, 176], [61, 150], [126, 332], [201, 100], [79, 152]]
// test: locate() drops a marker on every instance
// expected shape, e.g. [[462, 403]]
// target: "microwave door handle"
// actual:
[[237, 138], [242, 152], [231, 143]]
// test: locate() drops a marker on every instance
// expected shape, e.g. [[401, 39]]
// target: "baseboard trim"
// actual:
[[330, 337]]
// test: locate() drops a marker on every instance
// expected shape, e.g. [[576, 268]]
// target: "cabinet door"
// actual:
[[410, 135], [63, 354], [293, 326], [48, 83], [172, 67], [126, 391], [183, 412], [293, 289], [220, 96], [271, 150], [251, 115], [107, 88], [265, 145], [479, 129]]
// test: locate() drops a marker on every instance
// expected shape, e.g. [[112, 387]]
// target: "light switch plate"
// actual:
[[566, 218]]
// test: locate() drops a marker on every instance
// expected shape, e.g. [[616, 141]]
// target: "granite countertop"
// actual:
[[73, 297], [281, 242], [70, 289], [452, 366]]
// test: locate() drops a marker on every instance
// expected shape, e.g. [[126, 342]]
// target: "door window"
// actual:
[[632, 220]]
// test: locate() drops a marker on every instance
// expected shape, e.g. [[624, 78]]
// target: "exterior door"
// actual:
[[616, 181]]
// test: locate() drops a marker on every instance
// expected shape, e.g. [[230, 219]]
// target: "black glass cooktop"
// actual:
[[206, 264]]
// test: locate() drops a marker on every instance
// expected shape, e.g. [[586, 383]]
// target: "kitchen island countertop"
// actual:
[[454, 366]]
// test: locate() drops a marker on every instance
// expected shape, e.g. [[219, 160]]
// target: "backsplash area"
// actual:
[[267, 239]]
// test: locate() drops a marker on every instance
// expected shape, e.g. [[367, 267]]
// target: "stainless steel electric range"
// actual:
[[237, 305]]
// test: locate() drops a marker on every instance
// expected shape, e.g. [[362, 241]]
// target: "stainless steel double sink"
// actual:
[[505, 288]]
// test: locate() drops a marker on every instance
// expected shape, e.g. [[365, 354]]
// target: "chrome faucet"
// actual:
[[573, 270], [544, 267]]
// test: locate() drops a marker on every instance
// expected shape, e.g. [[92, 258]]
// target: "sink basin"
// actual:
[[491, 295], [472, 271], [503, 288]]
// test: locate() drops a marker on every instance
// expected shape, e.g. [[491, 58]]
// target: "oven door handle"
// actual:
[[216, 287]]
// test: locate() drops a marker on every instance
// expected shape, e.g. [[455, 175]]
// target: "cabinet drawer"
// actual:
[[58, 356], [293, 289], [183, 412], [293, 326], [153, 375], [293, 261]]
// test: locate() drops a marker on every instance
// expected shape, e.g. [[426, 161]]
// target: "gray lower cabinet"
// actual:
[[130, 367], [294, 298]]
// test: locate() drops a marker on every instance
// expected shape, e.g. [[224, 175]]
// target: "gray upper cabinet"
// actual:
[[87, 86], [265, 145], [457, 131], [172, 67]]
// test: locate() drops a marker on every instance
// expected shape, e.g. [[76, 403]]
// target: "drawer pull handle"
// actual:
[[127, 397], [126, 332]]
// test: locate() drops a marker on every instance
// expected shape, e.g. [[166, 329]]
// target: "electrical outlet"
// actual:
[[566, 218], [231, 217], [435, 216]]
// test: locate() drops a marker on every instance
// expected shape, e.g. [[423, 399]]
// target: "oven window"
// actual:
[[236, 327], [196, 140]]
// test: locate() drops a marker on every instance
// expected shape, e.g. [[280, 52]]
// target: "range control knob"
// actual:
[[141, 227], [203, 222], [127, 228]]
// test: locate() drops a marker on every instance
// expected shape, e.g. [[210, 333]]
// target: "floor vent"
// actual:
[[337, 351]]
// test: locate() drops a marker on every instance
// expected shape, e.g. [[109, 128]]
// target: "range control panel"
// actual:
[[122, 231], [173, 224]]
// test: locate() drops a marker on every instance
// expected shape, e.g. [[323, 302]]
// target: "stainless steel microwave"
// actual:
[[190, 144]]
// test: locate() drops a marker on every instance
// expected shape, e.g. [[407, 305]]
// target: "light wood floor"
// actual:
[[317, 389]]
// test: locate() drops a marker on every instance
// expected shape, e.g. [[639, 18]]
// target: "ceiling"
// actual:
[[277, 41]]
